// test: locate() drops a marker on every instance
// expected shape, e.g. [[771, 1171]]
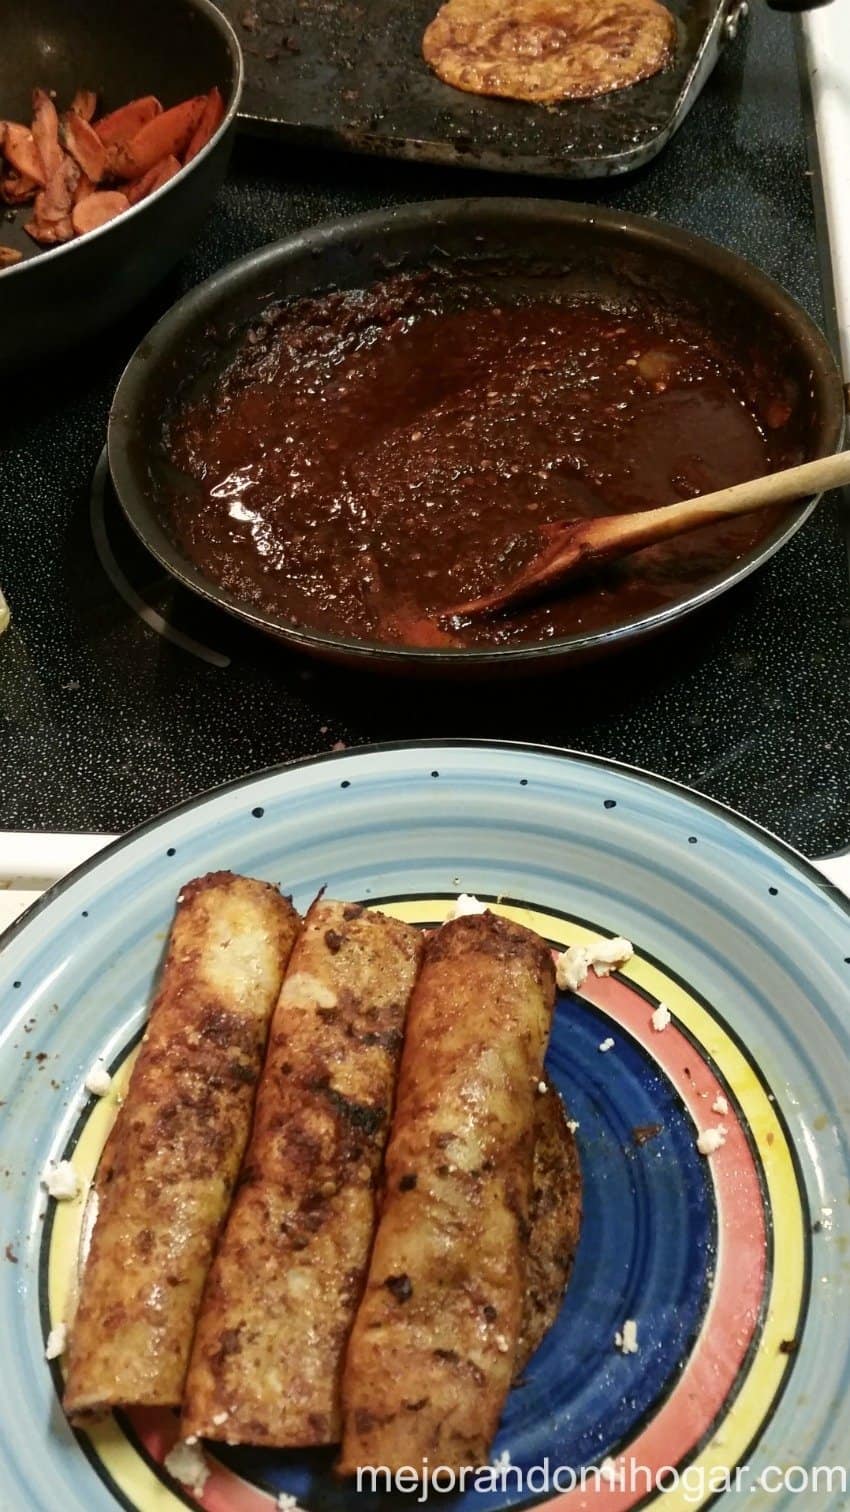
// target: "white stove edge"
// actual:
[[826, 43], [30, 863]]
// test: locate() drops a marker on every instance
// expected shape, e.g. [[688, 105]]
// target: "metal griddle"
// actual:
[[350, 74]]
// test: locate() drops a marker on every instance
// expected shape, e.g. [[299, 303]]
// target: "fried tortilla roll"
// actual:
[[433, 1347], [555, 1223], [287, 1278], [170, 1164]]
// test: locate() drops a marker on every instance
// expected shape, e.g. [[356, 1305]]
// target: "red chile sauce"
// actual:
[[370, 458]]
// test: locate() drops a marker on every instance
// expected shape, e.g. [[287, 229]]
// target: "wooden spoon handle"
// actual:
[[578, 546], [759, 493]]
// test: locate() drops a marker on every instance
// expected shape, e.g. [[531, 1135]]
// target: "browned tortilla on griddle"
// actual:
[[548, 50]]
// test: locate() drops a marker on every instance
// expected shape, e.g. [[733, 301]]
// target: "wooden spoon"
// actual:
[[580, 546]]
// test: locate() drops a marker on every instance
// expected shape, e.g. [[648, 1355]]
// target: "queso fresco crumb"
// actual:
[[602, 956], [626, 1338], [98, 1080], [61, 1181], [188, 1466], [711, 1140], [56, 1341], [660, 1018], [464, 905]]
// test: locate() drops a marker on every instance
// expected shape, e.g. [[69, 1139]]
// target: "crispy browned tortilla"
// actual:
[[170, 1163], [431, 1354], [285, 1283], [555, 1218], [548, 50]]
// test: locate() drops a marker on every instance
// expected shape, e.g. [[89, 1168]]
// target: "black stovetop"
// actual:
[[103, 721]]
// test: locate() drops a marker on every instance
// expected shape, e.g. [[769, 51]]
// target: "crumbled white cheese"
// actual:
[[661, 1018], [711, 1140], [542, 1087], [572, 1124], [98, 1080], [61, 1180], [610, 1472], [286, 1502], [56, 1341], [605, 956], [601, 955], [220, 1417], [720, 1105], [571, 968], [188, 1466], [502, 1344], [466, 904], [607, 1044], [626, 1339], [502, 1461]]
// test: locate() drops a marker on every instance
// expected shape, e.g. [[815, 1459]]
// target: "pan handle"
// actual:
[[736, 12]]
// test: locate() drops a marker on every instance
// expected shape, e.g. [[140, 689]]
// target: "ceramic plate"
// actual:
[[734, 1267]]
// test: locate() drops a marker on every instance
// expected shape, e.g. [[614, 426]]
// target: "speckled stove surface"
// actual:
[[103, 722]]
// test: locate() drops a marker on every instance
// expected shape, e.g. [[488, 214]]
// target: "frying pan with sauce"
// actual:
[[496, 254]]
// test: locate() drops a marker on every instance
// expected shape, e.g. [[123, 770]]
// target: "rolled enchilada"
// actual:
[[282, 1293], [434, 1343], [168, 1169]]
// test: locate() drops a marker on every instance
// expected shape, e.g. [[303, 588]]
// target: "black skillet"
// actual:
[[509, 241]]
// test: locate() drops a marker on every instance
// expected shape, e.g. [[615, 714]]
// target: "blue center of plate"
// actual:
[[647, 1250]]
